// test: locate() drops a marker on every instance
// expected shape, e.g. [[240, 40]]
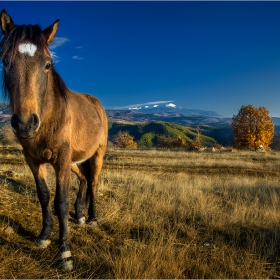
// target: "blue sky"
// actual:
[[200, 55]]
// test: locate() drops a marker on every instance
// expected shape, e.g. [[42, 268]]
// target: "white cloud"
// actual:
[[55, 57], [58, 41], [149, 103], [77, 57]]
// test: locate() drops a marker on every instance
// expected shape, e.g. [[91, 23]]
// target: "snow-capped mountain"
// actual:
[[166, 111], [169, 106]]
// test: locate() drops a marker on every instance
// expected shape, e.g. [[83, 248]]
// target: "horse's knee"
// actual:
[[61, 208]]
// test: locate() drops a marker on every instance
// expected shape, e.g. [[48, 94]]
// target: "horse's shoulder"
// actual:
[[95, 103]]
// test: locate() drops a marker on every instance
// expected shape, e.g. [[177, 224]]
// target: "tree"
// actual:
[[170, 142], [124, 140], [178, 142], [162, 142], [252, 127], [196, 143]]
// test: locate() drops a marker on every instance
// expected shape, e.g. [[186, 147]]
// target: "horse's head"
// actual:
[[27, 62]]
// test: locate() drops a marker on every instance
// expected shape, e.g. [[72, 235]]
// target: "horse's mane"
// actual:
[[60, 84], [34, 34]]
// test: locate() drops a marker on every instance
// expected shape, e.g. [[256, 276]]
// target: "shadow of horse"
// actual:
[[17, 228], [18, 186]]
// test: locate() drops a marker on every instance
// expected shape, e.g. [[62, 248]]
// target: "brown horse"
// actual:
[[54, 125]]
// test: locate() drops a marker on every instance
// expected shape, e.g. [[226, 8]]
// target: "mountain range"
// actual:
[[170, 112], [164, 107], [155, 111]]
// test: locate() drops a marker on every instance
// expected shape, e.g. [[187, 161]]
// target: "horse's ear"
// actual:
[[7, 23], [50, 31]]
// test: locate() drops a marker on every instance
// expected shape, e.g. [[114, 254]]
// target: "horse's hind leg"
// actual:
[[96, 162], [82, 172], [40, 173]]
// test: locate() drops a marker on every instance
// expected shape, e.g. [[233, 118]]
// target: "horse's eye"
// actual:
[[48, 66]]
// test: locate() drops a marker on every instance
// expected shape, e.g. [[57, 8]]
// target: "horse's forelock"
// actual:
[[9, 44], [19, 34]]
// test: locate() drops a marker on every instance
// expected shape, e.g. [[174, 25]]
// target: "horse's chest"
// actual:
[[44, 154]]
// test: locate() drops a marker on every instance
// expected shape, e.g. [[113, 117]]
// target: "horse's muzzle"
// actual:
[[25, 129]]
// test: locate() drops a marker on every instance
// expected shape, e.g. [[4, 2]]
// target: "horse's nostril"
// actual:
[[34, 121], [15, 122]]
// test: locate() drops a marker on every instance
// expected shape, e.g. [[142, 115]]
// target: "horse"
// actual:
[[54, 125]]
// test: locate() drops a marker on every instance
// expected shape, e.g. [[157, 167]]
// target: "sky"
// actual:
[[213, 56]]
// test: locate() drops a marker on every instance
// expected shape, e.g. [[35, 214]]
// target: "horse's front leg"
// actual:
[[63, 179], [40, 175]]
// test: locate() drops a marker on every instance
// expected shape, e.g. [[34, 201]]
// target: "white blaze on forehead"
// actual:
[[28, 49]]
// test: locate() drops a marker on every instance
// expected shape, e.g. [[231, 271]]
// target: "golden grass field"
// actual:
[[161, 214]]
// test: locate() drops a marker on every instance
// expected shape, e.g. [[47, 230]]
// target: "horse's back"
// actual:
[[89, 128]]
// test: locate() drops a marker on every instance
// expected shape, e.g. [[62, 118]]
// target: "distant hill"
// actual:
[[276, 121], [146, 134], [198, 118], [138, 116], [5, 114]]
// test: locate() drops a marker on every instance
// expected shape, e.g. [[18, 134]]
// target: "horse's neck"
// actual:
[[55, 107]]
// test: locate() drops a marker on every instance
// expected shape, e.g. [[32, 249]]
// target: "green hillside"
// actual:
[[146, 134]]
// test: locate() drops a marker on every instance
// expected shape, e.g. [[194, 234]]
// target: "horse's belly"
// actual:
[[81, 155]]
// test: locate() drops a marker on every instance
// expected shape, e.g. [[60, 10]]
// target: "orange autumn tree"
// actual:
[[252, 127], [124, 140]]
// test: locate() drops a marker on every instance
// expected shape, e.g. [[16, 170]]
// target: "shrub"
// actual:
[[124, 140]]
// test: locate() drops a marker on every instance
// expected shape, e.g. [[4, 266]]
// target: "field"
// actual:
[[161, 214]]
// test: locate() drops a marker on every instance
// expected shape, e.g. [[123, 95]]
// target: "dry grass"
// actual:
[[162, 214]]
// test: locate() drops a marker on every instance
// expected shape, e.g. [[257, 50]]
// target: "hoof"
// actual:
[[81, 221], [67, 265], [43, 244], [66, 261], [92, 223]]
